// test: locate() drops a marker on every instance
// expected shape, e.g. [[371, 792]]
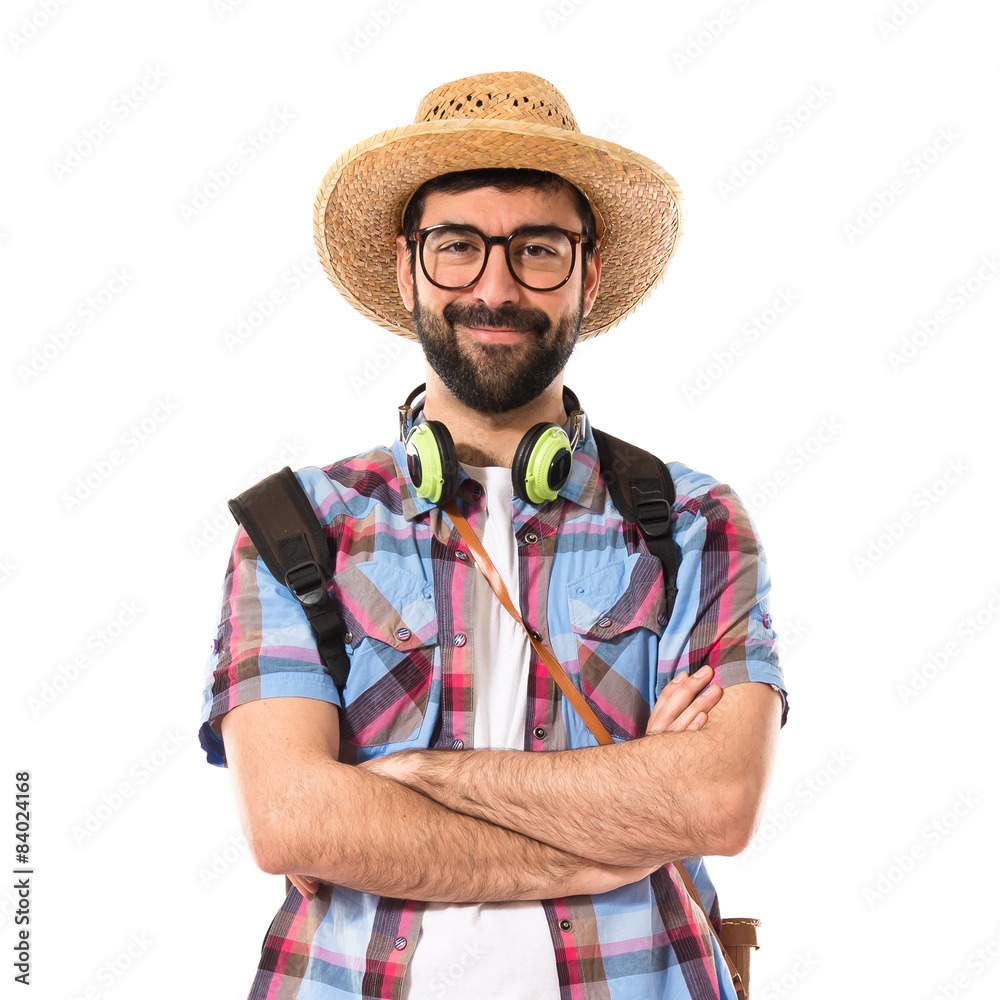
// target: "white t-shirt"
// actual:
[[490, 950]]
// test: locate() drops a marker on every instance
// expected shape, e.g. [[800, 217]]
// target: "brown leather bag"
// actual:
[[739, 935]]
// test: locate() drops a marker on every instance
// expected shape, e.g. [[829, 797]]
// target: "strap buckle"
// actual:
[[653, 516], [306, 581]]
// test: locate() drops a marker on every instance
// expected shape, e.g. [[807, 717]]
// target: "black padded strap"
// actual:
[[643, 490], [280, 520]]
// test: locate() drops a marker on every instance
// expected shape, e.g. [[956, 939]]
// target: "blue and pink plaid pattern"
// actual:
[[590, 586]]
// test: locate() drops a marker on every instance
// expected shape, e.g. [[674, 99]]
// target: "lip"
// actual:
[[492, 335]]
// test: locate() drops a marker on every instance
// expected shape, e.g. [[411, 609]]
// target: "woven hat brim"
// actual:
[[358, 208]]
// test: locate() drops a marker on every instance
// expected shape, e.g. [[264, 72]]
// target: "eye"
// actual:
[[457, 247], [537, 250]]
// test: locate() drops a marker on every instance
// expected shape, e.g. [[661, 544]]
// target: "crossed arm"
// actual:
[[472, 829], [667, 796]]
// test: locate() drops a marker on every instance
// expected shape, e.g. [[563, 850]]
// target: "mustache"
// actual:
[[507, 317]]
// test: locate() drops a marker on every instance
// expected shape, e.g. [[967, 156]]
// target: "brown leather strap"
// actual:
[[485, 564], [696, 896], [568, 688]]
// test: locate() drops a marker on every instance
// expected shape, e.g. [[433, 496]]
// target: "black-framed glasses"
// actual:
[[541, 258]]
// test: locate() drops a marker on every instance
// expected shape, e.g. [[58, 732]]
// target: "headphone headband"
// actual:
[[408, 413]]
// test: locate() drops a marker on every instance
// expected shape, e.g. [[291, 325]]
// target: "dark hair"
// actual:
[[505, 179]]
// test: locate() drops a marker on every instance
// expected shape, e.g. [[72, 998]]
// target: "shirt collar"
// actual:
[[579, 488]]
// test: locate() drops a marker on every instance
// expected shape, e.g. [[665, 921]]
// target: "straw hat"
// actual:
[[493, 120]]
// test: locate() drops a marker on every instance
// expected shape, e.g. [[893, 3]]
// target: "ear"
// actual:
[[592, 280], [404, 276]]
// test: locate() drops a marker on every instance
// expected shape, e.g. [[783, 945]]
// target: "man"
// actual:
[[430, 854]]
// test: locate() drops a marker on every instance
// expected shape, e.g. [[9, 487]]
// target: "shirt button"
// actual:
[[459, 554], [428, 593], [459, 639], [604, 621], [403, 634], [530, 537], [457, 745], [661, 618], [536, 635], [400, 943], [539, 733], [348, 638], [565, 925]]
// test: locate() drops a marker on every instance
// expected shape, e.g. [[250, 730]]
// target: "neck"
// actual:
[[484, 439]]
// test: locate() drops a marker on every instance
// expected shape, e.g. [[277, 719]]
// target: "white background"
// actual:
[[829, 442]]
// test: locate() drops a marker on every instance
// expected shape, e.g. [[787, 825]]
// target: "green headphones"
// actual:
[[542, 461]]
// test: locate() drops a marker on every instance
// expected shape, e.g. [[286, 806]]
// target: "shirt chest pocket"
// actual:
[[391, 619], [617, 614]]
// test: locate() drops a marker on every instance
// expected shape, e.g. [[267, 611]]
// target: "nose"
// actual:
[[496, 285]]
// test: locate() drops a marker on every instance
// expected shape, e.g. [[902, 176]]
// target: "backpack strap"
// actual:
[[280, 520], [643, 491]]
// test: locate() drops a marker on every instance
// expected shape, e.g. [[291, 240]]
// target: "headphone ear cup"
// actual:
[[541, 463], [432, 461]]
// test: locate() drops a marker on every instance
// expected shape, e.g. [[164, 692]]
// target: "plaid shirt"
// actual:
[[589, 584]]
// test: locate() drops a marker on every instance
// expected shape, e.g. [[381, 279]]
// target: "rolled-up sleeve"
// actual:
[[722, 615], [263, 647]]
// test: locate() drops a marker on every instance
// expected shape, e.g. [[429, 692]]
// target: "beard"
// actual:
[[496, 378]]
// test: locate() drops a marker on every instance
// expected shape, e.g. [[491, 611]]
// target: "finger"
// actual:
[[677, 696], [699, 720], [306, 886], [702, 705]]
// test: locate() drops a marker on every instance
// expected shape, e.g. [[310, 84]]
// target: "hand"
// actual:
[[684, 703], [307, 886]]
